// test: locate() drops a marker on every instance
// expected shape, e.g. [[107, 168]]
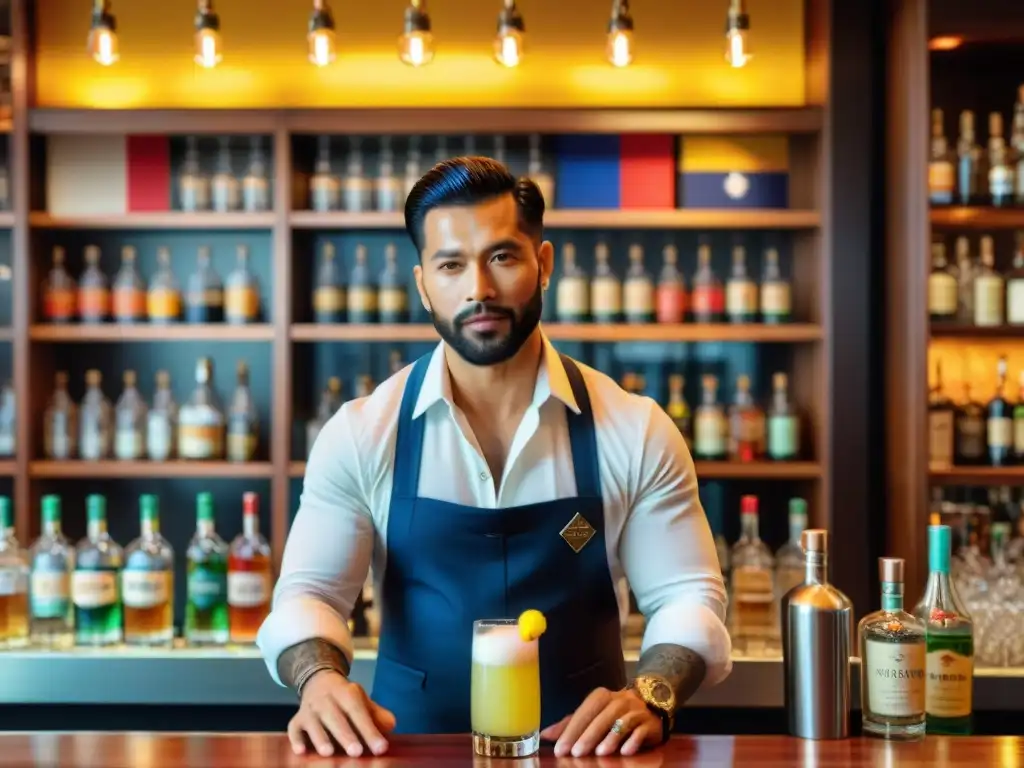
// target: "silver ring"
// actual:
[[618, 727]]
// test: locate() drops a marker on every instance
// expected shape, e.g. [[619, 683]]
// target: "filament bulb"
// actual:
[[619, 47], [416, 43], [321, 38], [207, 37], [102, 40], [510, 42], [737, 35]]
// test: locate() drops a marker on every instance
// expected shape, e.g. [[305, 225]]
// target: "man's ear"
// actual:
[[417, 272], [546, 259]]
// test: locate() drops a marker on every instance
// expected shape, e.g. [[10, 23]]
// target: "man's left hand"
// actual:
[[591, 729]]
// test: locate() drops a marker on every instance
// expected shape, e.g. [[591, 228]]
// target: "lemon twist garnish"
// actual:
[[532, 624]]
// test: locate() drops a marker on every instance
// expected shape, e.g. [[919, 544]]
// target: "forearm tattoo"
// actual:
[[295, 662], [682, 668]]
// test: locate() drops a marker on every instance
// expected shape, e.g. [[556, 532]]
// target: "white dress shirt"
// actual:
[[656, 532]]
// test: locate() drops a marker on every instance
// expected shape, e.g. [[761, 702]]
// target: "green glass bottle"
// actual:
[[206, 612], [94, 583]]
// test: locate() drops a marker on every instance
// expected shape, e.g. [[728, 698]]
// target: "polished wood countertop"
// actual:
[[223, 750]]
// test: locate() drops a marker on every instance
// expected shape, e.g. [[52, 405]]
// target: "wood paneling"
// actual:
[[965, 217]]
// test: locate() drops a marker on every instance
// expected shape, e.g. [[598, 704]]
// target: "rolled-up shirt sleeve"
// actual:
[[328, 552], [668, 552]]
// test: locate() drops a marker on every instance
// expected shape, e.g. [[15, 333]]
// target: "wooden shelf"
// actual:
[[977, 476], [111, 332], [156, 220], [585, 332], [685, 218], [956, 331], [971, 217], [149, 469], [7, 467]]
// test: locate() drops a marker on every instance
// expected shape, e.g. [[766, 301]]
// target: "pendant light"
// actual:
[[207, 37], [416, 44], [509, 43], [619, 48], [737, 34], [321, 35], [102, 40]]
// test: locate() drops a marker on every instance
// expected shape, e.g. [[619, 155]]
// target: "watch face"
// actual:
[[661, 693]]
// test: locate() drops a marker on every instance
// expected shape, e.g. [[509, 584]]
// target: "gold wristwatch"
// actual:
[[659, 697]]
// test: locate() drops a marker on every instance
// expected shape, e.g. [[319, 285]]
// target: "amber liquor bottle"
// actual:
[[249, 576]]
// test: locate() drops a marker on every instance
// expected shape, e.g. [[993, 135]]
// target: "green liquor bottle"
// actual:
[[949, 643], [94, 583], [206, 613]]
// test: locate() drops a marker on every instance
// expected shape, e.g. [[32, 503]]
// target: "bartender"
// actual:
[[492, 476]]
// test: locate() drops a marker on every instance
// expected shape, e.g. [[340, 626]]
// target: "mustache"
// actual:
[[481, 308]]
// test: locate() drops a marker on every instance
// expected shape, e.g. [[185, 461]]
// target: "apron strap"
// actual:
[[409, 442], [582, 435]]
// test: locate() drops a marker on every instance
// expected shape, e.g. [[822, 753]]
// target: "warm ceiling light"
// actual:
[[416, 45], [737, 34], [619, 48], [945, 43], [510, 41], [321, 36], [102, 40], [207, 38]]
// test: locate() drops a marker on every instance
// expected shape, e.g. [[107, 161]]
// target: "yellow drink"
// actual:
[[504, 691]]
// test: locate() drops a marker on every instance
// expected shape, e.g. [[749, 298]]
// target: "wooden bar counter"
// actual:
[[211, 750]]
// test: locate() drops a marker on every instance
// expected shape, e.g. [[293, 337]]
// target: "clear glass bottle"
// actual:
[[968, 173], [638, 289], [572, 297], [789, 571], [776, 293], [605, 288], [256, 185], [942, 287], [193, 184], [362, 293], [754, 621], [93, 289], [243, 421], [941, 173], [242, 292], [162, 421], [783, 423], [330, 402], [95, 588], [324, 185], [129, 294], [678, 409], [1015, 284], [163, 299], [671, 294], [537, 171], [892, 662], [250, 576], [204, 300], [8, 421], [95, 438], [60, 422], [14, 578], [206, 609], [329, 293], [710, 426], [130, 422], [708, 298], [949, 643], [387, 187], [60, 291], [393, 301], [740, 290], [413, 167], [356, 189], [965, 270], [225, 189], [1000, 163], [201, 419], [147, 582], [53, 560], [988, 288], [746, 424]]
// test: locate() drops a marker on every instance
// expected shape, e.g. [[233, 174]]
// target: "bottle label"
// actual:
[[145, 589], [226, 193], [895, 674], [158, 436], [93, 301], [708, 300], [50, 593], [638, 296], [362, 299], [129, 304], [329, 299], [740, 297], [247, 589], [195, 193], [255, 194], [58, 443], [393, 301], [210, 298], [940, 181], [93, 589], [949, 682], [709, 434], [163, 304], [942, 294], [940, 439], [242, 303], [606, 296], [783, 436], [572, 300], [671, 303], [206, 588], [95, 444], [1000, 432], [59, 304], [12, 582], [1015, 302], [358, 194], [241, 446], [388, 193], [324, 193], [128, 444], [776, 299], [971, 436], [988, 300], [201, 441], [1000, 181]]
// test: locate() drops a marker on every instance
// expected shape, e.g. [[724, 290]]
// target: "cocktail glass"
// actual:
[[504, 691]]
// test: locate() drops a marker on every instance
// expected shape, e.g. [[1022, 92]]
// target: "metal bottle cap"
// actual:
[[890, 570], [814, 540]]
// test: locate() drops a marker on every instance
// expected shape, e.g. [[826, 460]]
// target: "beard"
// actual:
[[491, 347]]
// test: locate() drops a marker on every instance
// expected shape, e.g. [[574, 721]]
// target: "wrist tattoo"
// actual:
[[295, 662], [681, 668]]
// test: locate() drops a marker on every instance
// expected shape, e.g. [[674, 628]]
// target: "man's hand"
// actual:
[[333, 706], [589, 729]]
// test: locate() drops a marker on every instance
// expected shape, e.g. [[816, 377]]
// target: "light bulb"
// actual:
[[619, 45], [321, 47], [208, 51], [510, 42], [737, 47], [102, 40], [416, 48]]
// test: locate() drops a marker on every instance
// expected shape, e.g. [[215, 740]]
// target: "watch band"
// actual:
[[667, 717]]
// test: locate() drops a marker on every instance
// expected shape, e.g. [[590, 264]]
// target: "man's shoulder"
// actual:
[[619, 416]]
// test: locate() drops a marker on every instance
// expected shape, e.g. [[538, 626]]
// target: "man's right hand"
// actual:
[[333, 706]]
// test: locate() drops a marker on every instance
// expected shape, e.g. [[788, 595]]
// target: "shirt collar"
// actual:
[[552, 381]]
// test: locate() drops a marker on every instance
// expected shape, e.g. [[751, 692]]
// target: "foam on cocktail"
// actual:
[[502, 646]]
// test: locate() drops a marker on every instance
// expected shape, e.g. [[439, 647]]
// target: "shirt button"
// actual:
[[484, 476]]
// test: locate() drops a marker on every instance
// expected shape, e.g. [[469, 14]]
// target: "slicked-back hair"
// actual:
[[467, 181]]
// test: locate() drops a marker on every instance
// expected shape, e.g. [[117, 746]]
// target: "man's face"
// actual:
[[481, 278]]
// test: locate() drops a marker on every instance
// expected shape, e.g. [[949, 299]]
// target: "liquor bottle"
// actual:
[[364, 386], [93, 289], [330, 402], [130, 422], [1015, 284], [572, 296], [988, 288], [499, 154], [394, 297], [678, 409], [971, 428], [249, 576], [892, 662], [631, 383], [776, 294], [53, 559], [753, 588], [1018, 426], [638, 289], [242, 292], [356, 189], [255, 185], [96, 421], [193, 184], [225, 189], [710, 426], [8, 421], [949, 643], [999, 425], [605, 289], [942, 287], [441, 150], [413, 167], [147, 582], [163, 300], [783, 423], [14, 570], [206, 609], [94, 583], [1017, 142], [941, 416], [204, 299], [243, 421], [362, 293], [162, 421], [201, 419], [671, 295], [129, 293], [324, 185], [537, 172], [60, 422], [1000, 169], [740, 290], [330, 293], [717, 526], [707, 299], [388, 187], [60, 292], [968, 175], [789, 570], [966, 271], [941, 173], [746, 424]]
